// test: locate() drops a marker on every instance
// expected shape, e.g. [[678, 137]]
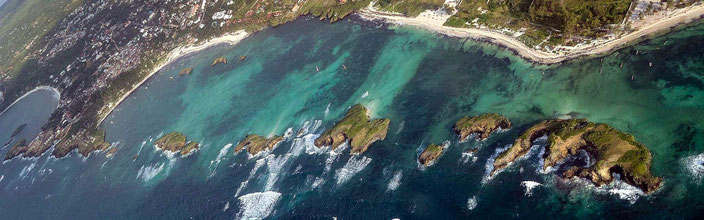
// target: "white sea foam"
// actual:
[[223, 152], [25, 171], [395, 181], [695, 165], [400, 127], [141, 146], [472, 203], [258, 205], [2, 177], [316, 125], [353, 166], [221, 155], [147, 173], [617, 187], [490, 164], [317, 182], [530, 185], [288, 133], [257, 165], [274, 166], [304, 129], [227, 206], [327, 110], [310, 147]]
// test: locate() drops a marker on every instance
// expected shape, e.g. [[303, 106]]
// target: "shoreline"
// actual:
[[681, 17], [228, 38], [666, 25], [56, 95]]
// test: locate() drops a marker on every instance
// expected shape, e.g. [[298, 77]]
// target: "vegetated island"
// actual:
[[613, 150], [431, 153], [358, 128], [176, 142], [483, 125], [255, 143]]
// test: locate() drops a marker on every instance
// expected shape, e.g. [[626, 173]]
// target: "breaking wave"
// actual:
[[395, 181], [258, 205], [490, 163], [353, 166], [529, 186], [472, 203], [147, 173], [221, 155], [695, 165], [254, 170]]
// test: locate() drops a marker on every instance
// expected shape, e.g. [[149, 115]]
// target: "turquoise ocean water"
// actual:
[[423, 83]]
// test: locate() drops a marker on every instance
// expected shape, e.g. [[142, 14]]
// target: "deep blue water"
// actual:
[[421, 82]]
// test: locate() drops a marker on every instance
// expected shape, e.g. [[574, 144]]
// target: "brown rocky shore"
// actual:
[[483, 125], [614, 151], [255, 143], [83, 141], [176, 142], [430, 154], [358, 128]]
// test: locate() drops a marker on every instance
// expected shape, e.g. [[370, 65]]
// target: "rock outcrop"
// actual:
[[185, 71], [175, 142], [83, 141], [613, 150], [483, 125], [430, 154], [222, 60], [358, 128], [255, 143], [18, 148]]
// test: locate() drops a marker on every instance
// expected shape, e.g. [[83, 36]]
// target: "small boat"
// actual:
[[664, 43], [650, 64], [317, 69], [343, 66], [242, 58], [620, 66], [637, 52], [632, 77], [135, 157]]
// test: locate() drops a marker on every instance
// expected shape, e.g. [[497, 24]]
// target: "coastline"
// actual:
[[603, 46], [228, 38], [56, 95], [678, 17]]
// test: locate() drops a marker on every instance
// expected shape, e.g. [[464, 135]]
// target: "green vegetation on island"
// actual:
[[255, 143], [84, 141], [543, 22], [430, 154], [358, 128], [175, 142], [409, 8], [483, 125], [614, 151]]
